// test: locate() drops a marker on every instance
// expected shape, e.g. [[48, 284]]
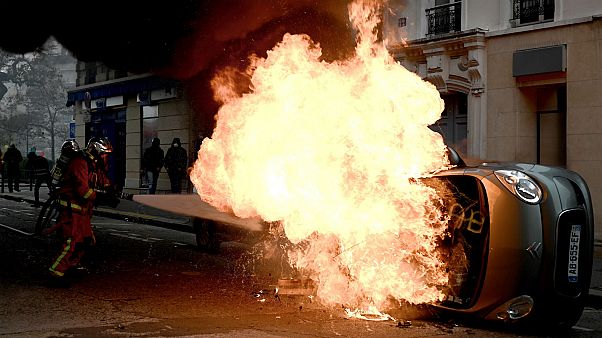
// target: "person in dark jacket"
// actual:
[[12, 159], [40, 171], [152, 162], [176, 161]]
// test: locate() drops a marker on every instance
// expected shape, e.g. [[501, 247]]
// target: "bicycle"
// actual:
[[47, 215], [50, 211]]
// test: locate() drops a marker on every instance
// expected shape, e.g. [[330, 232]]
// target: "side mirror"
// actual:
[[454, 158]]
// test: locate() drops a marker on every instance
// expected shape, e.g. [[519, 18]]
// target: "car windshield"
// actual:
[[465, 246]]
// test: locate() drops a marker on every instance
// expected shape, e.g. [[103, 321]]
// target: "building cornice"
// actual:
[[122, 86], [543, 25], [110, 82], [474, 38]]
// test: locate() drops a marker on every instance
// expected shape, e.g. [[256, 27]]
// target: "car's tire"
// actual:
[[205, 233], [554, 320], [571, 317]]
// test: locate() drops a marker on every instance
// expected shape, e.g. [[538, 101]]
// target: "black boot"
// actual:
[[56, 281]]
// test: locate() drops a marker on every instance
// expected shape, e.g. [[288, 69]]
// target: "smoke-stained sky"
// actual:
[[176, 38]]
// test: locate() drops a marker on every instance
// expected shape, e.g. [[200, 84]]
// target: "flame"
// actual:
[[372, 314], [332, 151]]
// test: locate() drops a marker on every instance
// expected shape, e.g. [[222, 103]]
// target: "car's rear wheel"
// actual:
[[554, 320], [206, 238]]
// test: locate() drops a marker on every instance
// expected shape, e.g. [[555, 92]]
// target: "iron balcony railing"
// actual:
[[444, 19], [532, 11]]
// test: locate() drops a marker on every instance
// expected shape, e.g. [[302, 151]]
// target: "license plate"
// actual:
[[574, 240]]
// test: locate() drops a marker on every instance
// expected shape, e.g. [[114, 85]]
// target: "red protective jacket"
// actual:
[[76, 196]]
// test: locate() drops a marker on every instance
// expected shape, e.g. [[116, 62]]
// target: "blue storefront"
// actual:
[[104, 111]]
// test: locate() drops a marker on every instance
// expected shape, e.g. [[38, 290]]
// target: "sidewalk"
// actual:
[[126, 210], [134, 211], [595, 289]]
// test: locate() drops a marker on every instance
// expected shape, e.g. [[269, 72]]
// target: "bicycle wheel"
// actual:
[[47, 215]]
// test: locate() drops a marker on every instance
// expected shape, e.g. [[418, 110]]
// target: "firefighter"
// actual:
[[83, 185], [69, 149]]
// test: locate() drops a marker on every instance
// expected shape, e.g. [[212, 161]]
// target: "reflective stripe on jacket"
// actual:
[[73, 206]]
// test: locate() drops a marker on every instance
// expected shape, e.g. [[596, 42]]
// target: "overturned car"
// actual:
[[520, 248], [520, 243]]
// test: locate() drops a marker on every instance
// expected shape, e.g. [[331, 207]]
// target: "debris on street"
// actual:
[[371, 314], [404, 323], [296, 287]]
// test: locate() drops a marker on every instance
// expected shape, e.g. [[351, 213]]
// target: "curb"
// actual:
[[145, 219], [594, 299], [124, 216]]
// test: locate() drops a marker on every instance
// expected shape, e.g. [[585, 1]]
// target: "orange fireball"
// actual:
[[332, 150]]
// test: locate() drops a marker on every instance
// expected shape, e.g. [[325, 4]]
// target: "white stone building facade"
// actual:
[[521, 78]]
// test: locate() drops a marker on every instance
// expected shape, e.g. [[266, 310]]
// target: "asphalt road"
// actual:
[[153, 282]]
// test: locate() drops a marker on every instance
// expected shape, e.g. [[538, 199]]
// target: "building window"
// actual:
[[453, 124], [90, 75], [551, 126], [402, 22], [120, 74], [532, 11], [112, 125], [150, 130], [444, 17]]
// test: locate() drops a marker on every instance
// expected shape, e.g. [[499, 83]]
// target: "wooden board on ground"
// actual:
[[192, 205]]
